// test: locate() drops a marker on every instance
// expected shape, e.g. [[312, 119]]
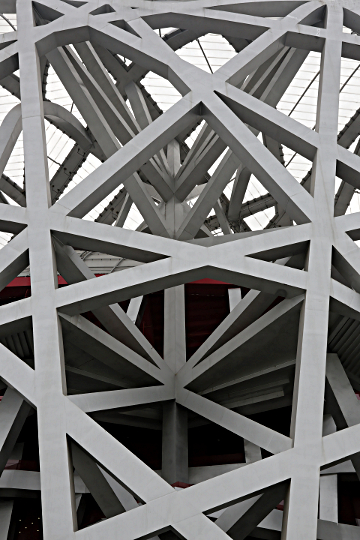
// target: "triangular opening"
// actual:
[[74, 3], [208, 52], [263, 9], [316, 18], [342, 403], [106, 8], [121, 23], [106, 247], [343, 270], [290, 250], [46, 13]]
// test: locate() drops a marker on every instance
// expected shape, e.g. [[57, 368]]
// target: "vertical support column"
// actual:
[[6, 508], [328, 503], [301, 506], [56, 473], [328, 495], [173, 156], [174, 327], [175, 443], [174, 209], [175, 425]]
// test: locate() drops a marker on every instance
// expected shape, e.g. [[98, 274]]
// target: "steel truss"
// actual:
[[315, 278]]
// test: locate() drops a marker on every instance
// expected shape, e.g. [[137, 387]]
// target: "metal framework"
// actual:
[[303, 269]]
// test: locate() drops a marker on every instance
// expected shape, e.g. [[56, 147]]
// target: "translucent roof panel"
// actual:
[[7, 22], [209, 52]]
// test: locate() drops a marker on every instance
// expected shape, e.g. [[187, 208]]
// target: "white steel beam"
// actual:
[[146, 162]]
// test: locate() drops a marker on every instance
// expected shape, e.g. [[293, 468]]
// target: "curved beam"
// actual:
[[11, 128], [66, 122]]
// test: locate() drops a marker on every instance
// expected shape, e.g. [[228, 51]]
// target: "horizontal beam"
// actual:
[[101, 401]]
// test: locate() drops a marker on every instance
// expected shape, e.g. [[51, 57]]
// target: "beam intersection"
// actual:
[[173, 248]]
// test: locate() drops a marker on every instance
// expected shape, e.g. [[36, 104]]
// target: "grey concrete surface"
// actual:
[[302, 271]]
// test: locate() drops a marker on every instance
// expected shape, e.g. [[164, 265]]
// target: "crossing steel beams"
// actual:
[[291, 339]]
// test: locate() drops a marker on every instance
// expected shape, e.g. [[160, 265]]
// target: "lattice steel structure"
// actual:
[[293, 337]]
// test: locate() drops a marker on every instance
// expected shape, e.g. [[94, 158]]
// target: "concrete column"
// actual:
[[175, 443], [173, 156], [175, 428], [174, 210], [328, 495], [328, 501], [301, 504], [57, 491], [174, 328]]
